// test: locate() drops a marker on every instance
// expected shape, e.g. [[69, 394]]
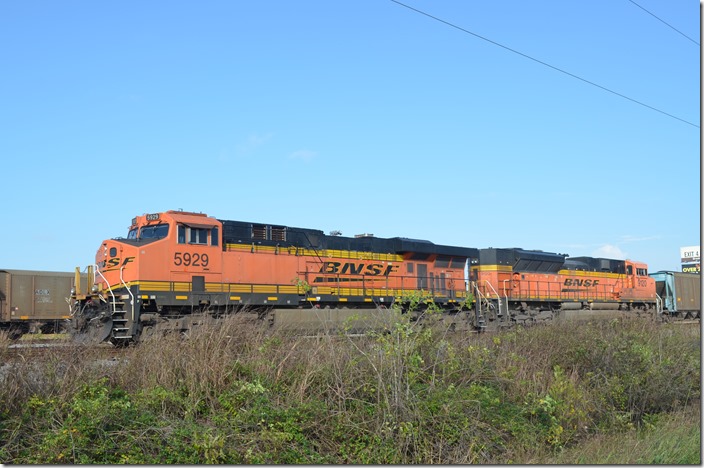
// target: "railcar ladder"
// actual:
[[486, 302], [119, 317], [480, 300], [119, 321]]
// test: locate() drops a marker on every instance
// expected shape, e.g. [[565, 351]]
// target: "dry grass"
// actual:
[[414, 395]]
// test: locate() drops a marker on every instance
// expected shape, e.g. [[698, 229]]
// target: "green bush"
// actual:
[[411, 394]]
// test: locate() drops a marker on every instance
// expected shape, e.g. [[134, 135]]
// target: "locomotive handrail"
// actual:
[[129, 291], [97, 271], [658, 304], [498, 298], [508, 314], [481, 297]]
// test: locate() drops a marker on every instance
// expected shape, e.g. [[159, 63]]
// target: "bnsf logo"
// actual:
[[579, 282], [350, 268], [114, 263]]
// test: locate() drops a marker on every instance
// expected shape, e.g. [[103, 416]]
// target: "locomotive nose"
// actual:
[[101, 253], [107, 254]]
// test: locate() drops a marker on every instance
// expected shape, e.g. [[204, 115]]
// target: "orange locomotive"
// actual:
[[176, 269], [516, 285]]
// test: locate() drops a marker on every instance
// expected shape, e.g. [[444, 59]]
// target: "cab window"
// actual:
[[198, 236], [158, 231], [214, 236], [193, 235], [641, 272]]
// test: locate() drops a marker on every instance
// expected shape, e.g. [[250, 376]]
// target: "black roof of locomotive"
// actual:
[[523, 260], [539, 261], [596, 264], [240, 232]]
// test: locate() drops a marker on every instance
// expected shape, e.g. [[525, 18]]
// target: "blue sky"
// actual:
[[360, 116]]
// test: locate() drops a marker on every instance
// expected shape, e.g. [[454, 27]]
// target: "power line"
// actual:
[[663, 21], [544, 63]]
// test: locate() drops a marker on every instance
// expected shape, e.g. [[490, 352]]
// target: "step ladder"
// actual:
[[120, 330]]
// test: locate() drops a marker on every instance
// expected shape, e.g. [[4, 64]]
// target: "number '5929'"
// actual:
[[188, 259]]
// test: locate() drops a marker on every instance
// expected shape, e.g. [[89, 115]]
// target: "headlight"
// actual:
[[94, 289]]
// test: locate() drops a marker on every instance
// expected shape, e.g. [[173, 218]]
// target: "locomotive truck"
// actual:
[[176, 270]]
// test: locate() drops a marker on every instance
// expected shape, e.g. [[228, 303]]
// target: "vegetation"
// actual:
[[620, 391]]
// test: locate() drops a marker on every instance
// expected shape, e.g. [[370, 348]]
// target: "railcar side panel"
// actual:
[[34, 300], [679, 292]]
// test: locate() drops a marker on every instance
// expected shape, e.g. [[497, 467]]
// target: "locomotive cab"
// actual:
[[191, 245], [638, 285], [189, 241]]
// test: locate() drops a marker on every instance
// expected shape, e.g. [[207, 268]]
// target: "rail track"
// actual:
[[70, 348], [67, 351]]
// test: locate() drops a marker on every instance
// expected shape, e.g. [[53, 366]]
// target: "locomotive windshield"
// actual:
[[158, 231]]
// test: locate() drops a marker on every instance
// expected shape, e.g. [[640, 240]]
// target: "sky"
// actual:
[[562, 126]]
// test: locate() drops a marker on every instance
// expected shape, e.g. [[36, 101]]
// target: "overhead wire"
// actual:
[[663, 21], [544, 63]]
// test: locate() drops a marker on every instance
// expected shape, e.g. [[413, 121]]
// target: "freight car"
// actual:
[[35, 301], [523, 286], [178, 269], [680, 294]]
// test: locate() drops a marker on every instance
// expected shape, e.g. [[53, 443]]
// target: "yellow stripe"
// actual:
[[151, 286], [183, 298], [598, 274], [494, 268], [303, 252], [508, 268], [271, 298], [154, 285]]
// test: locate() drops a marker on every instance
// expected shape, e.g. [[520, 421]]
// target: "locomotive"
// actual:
[[524, 286], [176, 270]]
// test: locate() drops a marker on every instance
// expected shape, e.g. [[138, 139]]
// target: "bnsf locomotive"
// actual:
[[177, 269], [519, 285]]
